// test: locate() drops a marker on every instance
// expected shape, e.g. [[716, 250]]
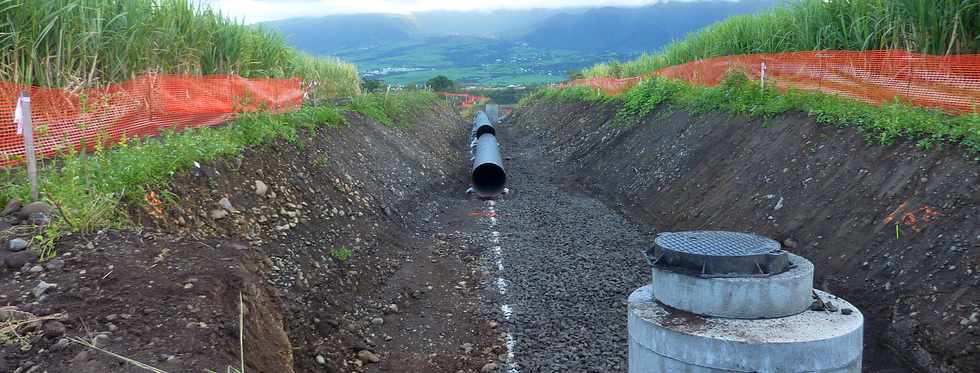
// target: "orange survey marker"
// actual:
[[147, 105], [948, 83]]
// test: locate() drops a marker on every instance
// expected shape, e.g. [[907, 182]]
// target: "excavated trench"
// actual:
[[356, 248]]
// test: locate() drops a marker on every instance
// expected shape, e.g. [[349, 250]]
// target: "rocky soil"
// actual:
[[330, 247], [893, 229], [357, 250]]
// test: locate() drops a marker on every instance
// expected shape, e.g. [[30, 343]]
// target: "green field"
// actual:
[[469, 60]]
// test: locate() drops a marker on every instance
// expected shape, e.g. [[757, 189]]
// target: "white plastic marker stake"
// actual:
[[763, 76], [22, 116]]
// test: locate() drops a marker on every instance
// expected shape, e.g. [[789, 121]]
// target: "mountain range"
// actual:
[[501, 47]]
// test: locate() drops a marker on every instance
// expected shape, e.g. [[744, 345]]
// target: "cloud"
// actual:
[[265, 10]]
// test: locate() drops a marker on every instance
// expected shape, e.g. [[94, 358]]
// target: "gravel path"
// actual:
[[566, 264]]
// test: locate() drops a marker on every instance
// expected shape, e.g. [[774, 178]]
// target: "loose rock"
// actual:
[[217, 214], [34, 207], [19, 259], [18, 244], [54, 329], [42, 287], [260, 188], [368, 356], [55, 265]]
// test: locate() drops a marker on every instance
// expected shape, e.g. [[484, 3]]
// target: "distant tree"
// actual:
[[574, 74], [373, 85], [440, 84]]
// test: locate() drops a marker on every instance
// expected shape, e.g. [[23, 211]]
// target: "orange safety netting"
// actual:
[[147, 105], [949, 83]]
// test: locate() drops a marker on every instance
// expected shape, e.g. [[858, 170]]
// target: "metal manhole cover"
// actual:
[[718, 254]]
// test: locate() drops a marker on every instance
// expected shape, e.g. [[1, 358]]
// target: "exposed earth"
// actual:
[[357, 249]]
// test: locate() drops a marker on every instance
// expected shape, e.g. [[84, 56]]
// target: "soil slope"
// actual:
[[329, 242], [893, 229]]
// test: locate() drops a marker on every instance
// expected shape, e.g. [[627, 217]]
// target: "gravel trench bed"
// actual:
[[569, 263]]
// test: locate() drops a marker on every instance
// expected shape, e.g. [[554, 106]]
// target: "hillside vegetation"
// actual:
[[925, 26], [86, 43], [739, 96]]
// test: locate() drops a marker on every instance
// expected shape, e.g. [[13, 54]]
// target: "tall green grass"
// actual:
[[393, 108], [85, 43], [738, 95], [89, 189], [936, 27]]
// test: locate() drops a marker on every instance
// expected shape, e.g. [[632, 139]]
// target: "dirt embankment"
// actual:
[[309, 233], [893, 229]]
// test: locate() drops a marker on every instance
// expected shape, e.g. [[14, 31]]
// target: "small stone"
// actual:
[[39, 219], [60, 345], [42, 287], [188, 286], [217, 214], [111, 317], [55, 265], [112, 327], [226, 204], [19, 259], [18, 244], [846, 311], [80, 357], [321, 360], [489, 367], [34, 207], [377, 321], [467, 348], [368, 356], [36, 269], [53, 329], [101, 340], [790, 243], [494, 324], [260, 188], [391, 308]]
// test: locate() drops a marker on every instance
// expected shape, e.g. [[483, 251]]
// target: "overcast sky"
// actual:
[[264, 10]]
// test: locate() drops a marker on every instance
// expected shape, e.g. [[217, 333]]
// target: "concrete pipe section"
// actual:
[[736, 302]]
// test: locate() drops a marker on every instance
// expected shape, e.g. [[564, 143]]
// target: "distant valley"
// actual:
[[500, 47]]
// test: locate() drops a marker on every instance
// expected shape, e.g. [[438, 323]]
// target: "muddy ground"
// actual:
[[332, 244], [894, 229]]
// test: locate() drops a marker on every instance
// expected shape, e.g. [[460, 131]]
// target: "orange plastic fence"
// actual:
[[146, 105], [949, 83]]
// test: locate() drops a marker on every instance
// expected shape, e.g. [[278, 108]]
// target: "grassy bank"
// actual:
[[390, 109], [933, 27], [739, 96], [87, 43], [91, 190]]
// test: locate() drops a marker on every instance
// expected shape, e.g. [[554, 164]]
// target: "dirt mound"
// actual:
[[893, 229], [307, 233]]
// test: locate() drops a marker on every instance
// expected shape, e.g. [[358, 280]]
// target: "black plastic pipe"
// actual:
[[488, 174], [482, 126]]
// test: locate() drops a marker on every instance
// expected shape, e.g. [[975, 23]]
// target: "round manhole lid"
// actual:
[[718, 253]]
